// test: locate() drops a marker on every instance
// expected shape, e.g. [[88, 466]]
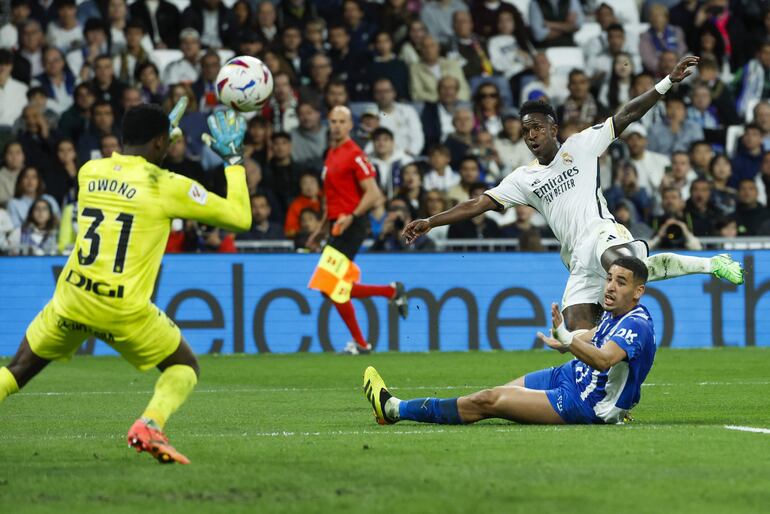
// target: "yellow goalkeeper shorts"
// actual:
[[144, 339]]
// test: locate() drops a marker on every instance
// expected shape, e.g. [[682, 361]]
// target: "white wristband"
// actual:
[[564, 336], [664, 85]]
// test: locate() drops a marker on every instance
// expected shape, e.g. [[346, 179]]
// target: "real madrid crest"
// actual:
[[567, 158]]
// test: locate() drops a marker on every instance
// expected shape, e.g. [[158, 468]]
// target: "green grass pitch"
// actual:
[[293, 433]]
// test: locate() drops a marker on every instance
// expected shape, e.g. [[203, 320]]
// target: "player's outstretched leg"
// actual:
[[24, 366], [513, 403], [179, 374], [663, 266]]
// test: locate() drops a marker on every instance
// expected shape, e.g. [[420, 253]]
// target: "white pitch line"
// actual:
[[748, 429]]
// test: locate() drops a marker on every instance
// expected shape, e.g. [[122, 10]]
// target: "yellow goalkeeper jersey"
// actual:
[[125, 207]]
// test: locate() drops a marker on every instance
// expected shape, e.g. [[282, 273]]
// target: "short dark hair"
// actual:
[[615, 26], [635, 265], [6, 57], [135, 23], [281, 135], [143, 123], [698, 143], [310, 210], [700, 180], [752, 126], [382, 131], [536, 106], [35, 90]]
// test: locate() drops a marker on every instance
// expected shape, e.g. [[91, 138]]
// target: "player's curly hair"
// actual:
[[536, 106], [143, 123], [635, 266]]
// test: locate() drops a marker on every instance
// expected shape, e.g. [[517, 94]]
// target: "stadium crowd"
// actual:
[[434, 86]]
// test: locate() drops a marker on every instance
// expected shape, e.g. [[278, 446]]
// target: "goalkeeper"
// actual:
[[126, 203]]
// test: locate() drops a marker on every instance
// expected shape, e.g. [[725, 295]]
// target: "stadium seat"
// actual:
[[731, 140], [522, 6], [565, 58], [587, 32], [162, 58]]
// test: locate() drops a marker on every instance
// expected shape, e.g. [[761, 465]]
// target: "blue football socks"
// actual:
[[430, 410]]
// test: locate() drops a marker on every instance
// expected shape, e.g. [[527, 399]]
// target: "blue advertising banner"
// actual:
[[259, 302]]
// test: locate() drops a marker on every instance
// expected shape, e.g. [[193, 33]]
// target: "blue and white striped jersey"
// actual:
[[612, 393]]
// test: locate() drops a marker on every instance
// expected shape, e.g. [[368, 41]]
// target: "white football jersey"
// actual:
[[567, 191]]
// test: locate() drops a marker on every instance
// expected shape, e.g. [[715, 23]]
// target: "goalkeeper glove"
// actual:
[[174, 117], [226, 138]]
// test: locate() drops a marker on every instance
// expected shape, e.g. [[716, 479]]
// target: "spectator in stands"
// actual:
[[721, 95], [701, 155], [36, 96], [309, 222], [286, 174], [309, 197], [177, 161], [386, 65], [57, 80], [390, 238], [65, 33], [601, 51], [671, 228], [554, 22], [468, 48], [470, 175], [205, 88], [116, 23], [12, 92], [437, 16], [291, 41], [37, 138], [132, 55], [103, 123], [748, 157], [161, 18], [276, 63], [625, 186], [187, 68], [28, 60], [297, 12], [249, 43], [724, 197], [640, 83], [440, 176], [749, 213], [437, 116], [105, 85], [309, 138], [387, 160], [424, 76], [752, 82], [400, 118], [6, 229], [489, 161], [681, 176], [545, 83], [243, 19], [701, 110], [61, 178], [257, 141], [313, 41], [650, 166], [348, 62], [9, 32], [762, 119], [488, 108], [109, 144], [38, 234], [409, 49], [460, 141], [411, 189], [509, 49], [700, 210], [684, 15], [434, 203], [199, 238], [13, 163], [81, 60], [510, 146], [266, 20], [336, 94], [395, 18], [659, 37], [212, 20], [479, 227], [153, 90], [625, 214], [580, 106], [320, 75], [522, 225], [726, 227], [261, 226], [617, 90], [709, 43], [29, 187], [675, 131], [363, 132], [281, 109], [361, 30], [487, 15]]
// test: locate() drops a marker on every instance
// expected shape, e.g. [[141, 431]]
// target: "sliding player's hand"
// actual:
[[552, 342], [680, 71], [227, 132], [174, 117], [415, 229], [556, 317]]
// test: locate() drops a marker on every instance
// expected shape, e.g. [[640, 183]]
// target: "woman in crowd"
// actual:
[[29, 187], [409, 53], [38, 234], [256, 144], [153, 90], [508, 50], [244, 18], [13, 163], [435, 202], [60, 179], [411, 190], [724, 197], [395, 19], [616, 91], [487, 108]]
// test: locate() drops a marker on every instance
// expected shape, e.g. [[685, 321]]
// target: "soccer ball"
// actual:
[[244, 83]]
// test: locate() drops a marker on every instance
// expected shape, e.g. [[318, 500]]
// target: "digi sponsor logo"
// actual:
[[97, 288]]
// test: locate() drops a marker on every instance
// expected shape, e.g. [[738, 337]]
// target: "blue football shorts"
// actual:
[[559, 385]]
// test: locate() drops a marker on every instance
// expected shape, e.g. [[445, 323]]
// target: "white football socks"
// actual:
[[391, 408], [663, 266]]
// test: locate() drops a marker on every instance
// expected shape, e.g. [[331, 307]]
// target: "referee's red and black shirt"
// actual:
[[345, 166]]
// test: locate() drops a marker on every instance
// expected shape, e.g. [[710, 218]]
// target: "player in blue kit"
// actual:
[[601, 385]]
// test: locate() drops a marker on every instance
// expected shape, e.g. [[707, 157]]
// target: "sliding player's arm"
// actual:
[[638, 107], [187, 199]]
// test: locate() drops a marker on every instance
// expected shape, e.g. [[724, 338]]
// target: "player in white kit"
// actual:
[[563, 185]]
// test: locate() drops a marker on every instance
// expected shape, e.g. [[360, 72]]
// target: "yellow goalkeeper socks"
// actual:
[[171, 390], [8, 384]]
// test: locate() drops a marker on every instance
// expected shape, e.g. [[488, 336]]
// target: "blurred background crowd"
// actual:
[[434, 87]]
